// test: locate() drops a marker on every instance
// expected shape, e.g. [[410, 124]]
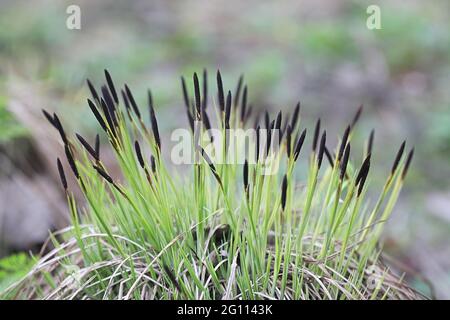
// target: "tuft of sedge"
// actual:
[[62, 175]]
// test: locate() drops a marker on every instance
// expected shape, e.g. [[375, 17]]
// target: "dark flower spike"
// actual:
[[357, 116], [205, 90], [220, 94], [172, 277], [132, 101], [112, 89], [370, 142], [407, 164], [206, 122], [244, 104], [323, 141], [137, 148], [245, 175], [71, 161], [103, 174], [185, 94], [329, 156], [363, 178], [344, 162], [97, 115], [288, 141], [50, 119], [299, 145], [248, 114], [62, 176], [228, 111], [237, 93], [153, 121], [258, 141], [294, 119], [125, 100], [60, 129], [94, 93], [211, 166], [316, 135], [362, 171], [110, 104], [107, 116], [269, 137], [266, 119], [153, 164], [343, 143], [284, 192], [197, 95], [398, 157], [97, 147], [87, 146]]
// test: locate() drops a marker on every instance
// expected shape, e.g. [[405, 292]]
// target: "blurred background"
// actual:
[[314, 51]]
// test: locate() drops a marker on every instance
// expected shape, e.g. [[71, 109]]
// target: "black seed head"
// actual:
[[50, 119], [237, 93], [407, 164], [97, 147], [197, 94], [363, 170], [228, 110], [153, 163], [103, 174], [244, 104], [284, 192], [329, 156], [185, 94], [71, 161], [60, 129], [205, 90], [245, 175], [363, 178], [112, 89], [294, 119], [316, 135], [345, 162], [323, 141], [288, 141], [343, 143], [62, 176], [137, 148], [132, 101], [97, 114], [153, 121], [357, 116], [87, 146], [258, 141], [220, 94], [266, 119], [172, 277], [299, 145], [370, 142], [398, 157], [94, 93]]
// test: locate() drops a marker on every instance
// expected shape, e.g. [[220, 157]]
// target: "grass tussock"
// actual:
[[224, 231]]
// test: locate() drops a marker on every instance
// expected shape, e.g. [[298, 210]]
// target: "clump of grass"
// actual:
[[227, 231]]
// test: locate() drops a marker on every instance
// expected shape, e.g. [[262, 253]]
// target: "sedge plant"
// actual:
[[226, 229]]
